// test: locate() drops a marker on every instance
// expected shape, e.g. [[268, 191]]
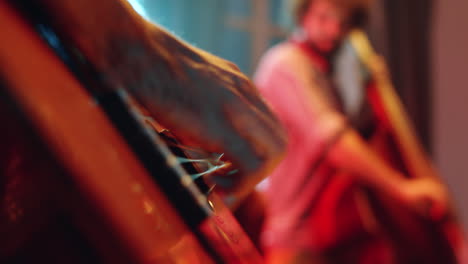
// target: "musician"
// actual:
[[295, 77], [202, 99]]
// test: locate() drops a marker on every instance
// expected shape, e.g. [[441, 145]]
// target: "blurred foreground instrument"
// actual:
[[82, 178]]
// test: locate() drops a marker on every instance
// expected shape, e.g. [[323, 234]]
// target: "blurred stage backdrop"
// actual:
[[238, 30]]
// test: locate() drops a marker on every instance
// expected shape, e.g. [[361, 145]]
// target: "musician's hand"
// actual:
[[426, 195]]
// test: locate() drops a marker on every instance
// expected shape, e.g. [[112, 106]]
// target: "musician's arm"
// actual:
[[355, 155], [307, 114], [351, 153]]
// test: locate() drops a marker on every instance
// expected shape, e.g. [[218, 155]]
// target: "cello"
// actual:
[[83, 179], [353, 222], [415, 238]]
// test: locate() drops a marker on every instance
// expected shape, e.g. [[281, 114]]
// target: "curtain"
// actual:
[[400, 30]]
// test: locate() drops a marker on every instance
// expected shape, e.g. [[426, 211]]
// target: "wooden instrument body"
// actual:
[[73, 190], [415, 237], [411, 236], [351, 217], [424, 237]]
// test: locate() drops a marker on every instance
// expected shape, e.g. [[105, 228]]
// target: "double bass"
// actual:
[[353, 222], [414, 237], [83, 178]]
